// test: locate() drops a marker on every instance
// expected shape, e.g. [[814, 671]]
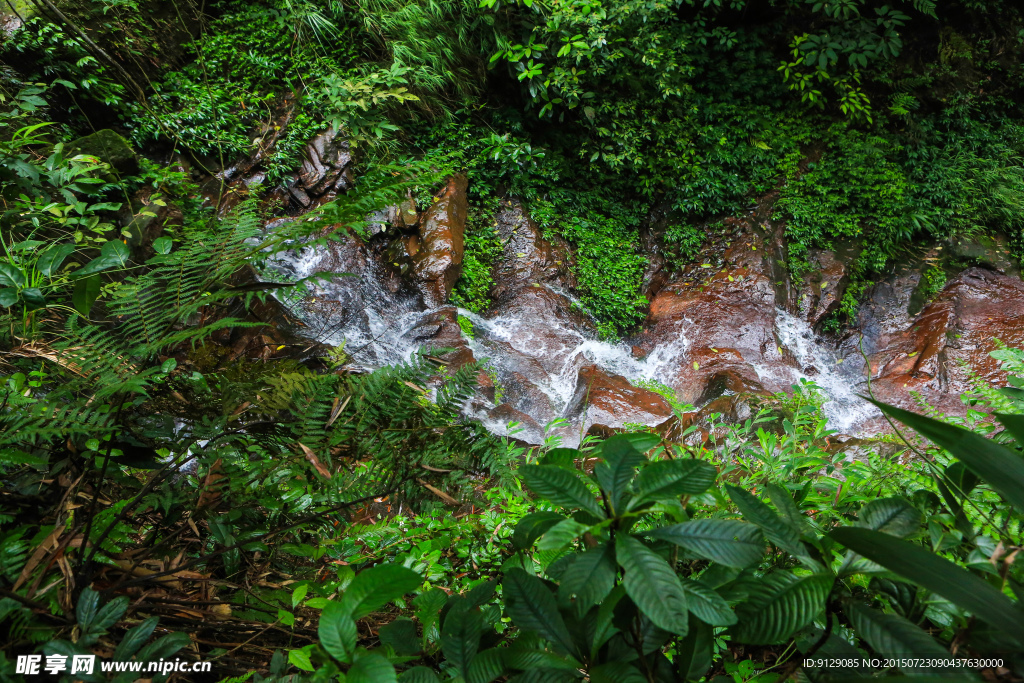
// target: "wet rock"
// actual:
[[324, 165], [823, 287], [437, 261], [109, 147], [719, 323], [952, 336], [987, 251], [523, 427], [438, 332], [527, 257], [603, 398]]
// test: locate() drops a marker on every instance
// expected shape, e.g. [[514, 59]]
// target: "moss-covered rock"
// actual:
[[108, 146]]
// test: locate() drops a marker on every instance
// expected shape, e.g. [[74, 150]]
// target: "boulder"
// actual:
[[527, 257], [936, 353], [109, 147], [606, 399], [437, 261]]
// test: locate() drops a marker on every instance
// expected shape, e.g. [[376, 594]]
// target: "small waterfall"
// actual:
[[381, 324], [844, 409]]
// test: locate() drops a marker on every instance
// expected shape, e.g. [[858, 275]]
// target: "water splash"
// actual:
[[841, 383]]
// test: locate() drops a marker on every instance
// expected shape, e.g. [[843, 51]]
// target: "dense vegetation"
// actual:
[[166, 495]]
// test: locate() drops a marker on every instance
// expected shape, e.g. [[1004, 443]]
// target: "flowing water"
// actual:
[[379, 326]]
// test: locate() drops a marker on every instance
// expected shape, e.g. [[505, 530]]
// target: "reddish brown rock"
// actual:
[[721, 321], [603, 398], [437, 261], [440, 330], [952, 336]]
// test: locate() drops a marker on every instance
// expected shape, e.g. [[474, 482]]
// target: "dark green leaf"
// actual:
[[707, 604], [670, 479], [894, 516], [939, 575], [419, 674], [787, 508], [779, 605], [486, 667], [162, 245], [727, 541], [778, 530], [560, 457], [50, 261], [11, 276], [533, 526], [164, 647], [998, 466], [375, 587], [8, 297], [371, 667], [85, 293], [460, 637], [113, 254], [590, 578], [616, 471], [533, 608], [33, 298], [561, 487], [891, 635], [401, 635], [337, 631], [616, 672], [652, 584], [134, 639]]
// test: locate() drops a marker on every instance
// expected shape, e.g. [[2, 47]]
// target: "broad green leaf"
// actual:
[[652, 584], [561, 487], [533, 608], [486, 667], [561, 535], [401, 635], [1015, 425], [694, 652], [371, 668], [460, 637], [787, 508], [669, 479], [616, 471], [163, 245], [924, 568], [300, 659], [33, 298], [616, 672], [779, 605], [726, 541], [50, 261], [419, 674], [893, 516], [604, 627], [561, 457], [707, 605], [533, 526], [642, 441], [113, 254], [11, 275], [164, 647], [8, 297], [375, 587], [891, 635], [518, 657], [778, 530], [85, 293], [85, 610], [134, 639], [337, 631], [589, 578], [998, 466], [110, 613]]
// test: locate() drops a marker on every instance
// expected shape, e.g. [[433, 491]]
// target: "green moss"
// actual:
[[109, 147]]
